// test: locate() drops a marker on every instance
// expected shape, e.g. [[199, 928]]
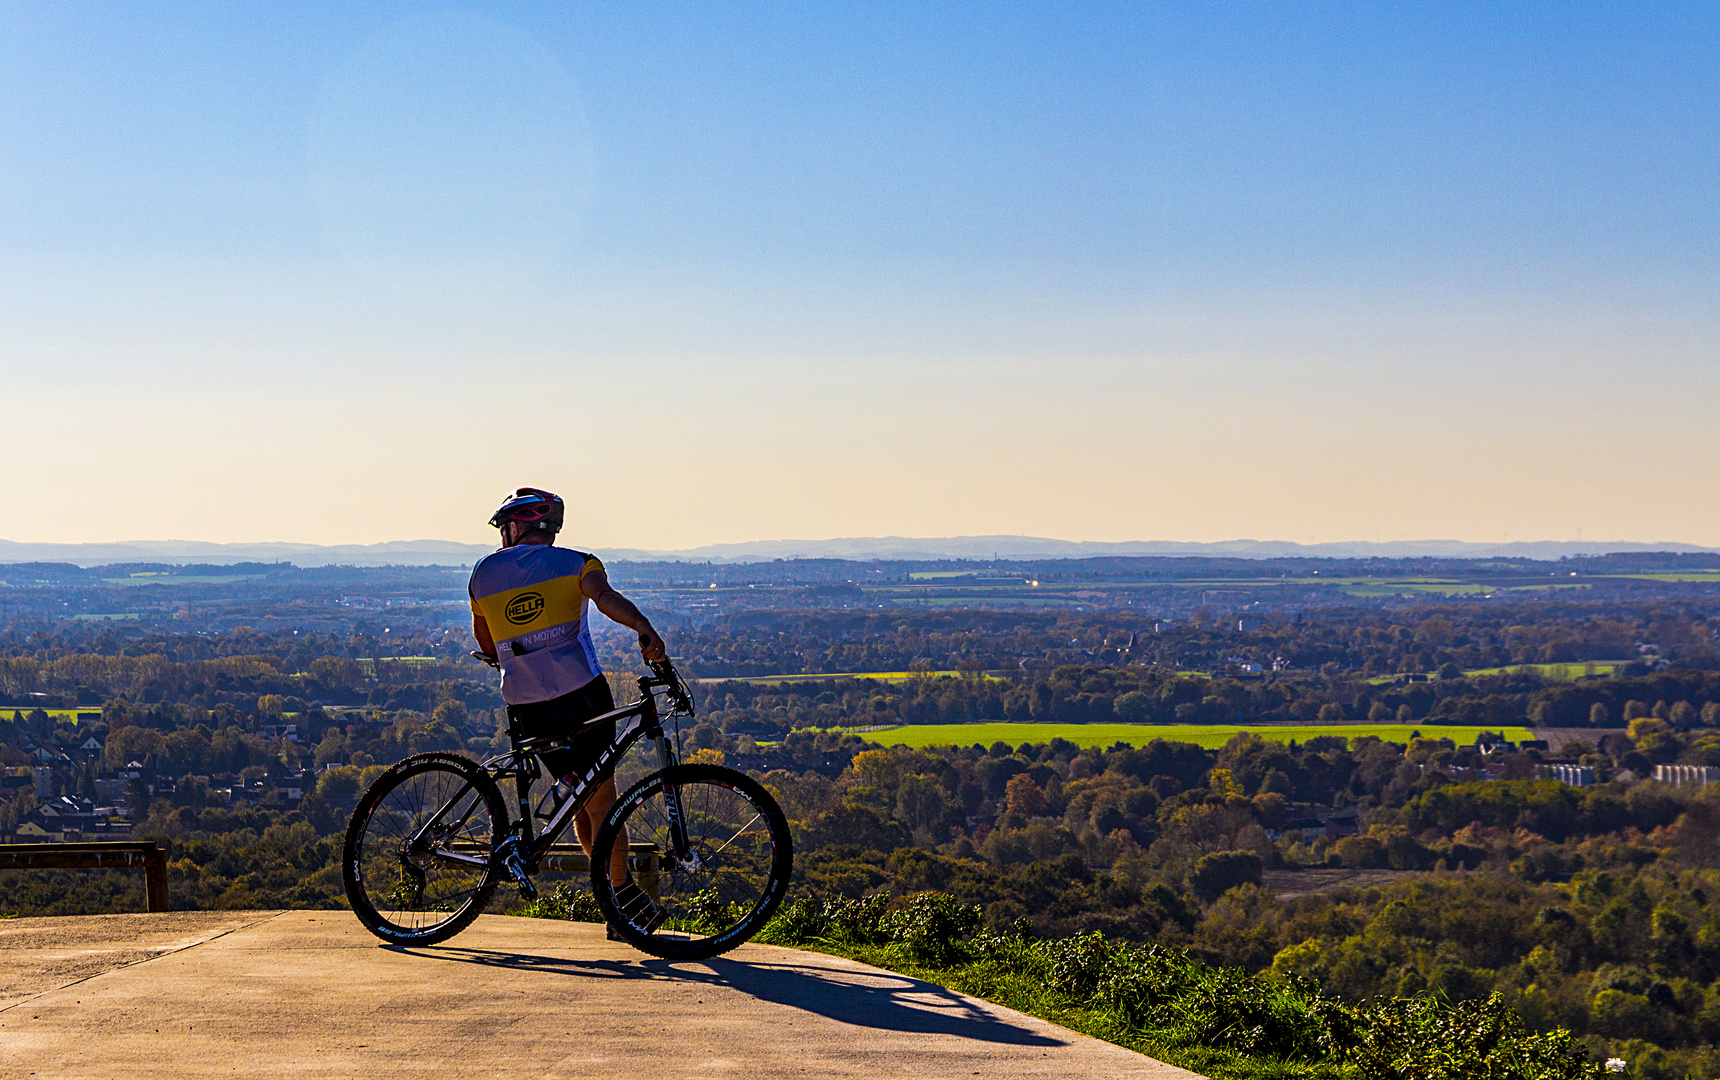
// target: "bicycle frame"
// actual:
[[634, 722]]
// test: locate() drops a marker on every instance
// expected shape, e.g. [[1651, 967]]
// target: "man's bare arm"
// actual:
[[595, 585], [481, 631]]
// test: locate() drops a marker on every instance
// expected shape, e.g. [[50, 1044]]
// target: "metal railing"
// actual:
[[642, 859]]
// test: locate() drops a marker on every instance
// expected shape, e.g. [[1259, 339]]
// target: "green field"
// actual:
[[1374, 587], [69, 716], [1565, 672], [180, 579], [877, 676], [1210, 736]]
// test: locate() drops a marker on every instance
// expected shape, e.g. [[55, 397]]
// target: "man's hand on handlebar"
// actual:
[[651, 645]]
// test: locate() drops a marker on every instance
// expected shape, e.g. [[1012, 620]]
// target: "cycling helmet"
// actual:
[[534, 508]]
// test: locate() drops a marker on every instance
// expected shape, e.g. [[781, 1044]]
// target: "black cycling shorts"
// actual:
[[564, 718]]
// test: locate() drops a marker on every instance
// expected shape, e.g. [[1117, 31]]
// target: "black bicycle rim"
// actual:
[[732, 878]]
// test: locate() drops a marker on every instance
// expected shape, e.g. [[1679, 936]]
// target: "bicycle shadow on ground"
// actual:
[[876, 999], [881, 1000]]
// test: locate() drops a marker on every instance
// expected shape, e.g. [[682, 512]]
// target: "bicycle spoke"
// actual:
[[395, 870], [723, 886]]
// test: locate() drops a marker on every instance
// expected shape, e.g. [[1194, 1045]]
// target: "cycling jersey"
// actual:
[[530, 597]]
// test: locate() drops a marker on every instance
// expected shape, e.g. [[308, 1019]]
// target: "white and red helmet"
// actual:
[[533, 508]]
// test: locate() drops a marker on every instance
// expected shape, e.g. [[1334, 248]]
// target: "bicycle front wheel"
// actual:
[[713, 892], [417, 858]]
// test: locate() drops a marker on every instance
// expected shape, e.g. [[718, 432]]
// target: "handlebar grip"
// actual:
[[665, 672]]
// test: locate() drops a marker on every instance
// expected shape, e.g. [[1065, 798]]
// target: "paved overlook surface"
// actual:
[[311, 994]]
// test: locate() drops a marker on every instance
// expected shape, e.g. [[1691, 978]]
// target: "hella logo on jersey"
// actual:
[[525, 607]]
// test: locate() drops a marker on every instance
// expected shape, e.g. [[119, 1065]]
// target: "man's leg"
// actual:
[[585, 825]]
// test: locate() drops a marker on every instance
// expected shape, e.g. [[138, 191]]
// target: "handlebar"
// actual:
[[664, 675]]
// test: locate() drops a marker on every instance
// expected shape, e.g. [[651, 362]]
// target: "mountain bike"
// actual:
[[431, 839]]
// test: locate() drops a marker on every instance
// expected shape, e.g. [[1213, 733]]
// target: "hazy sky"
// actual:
[[1291, 271]]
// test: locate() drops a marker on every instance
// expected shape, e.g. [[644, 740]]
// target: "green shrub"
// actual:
[[933, 927], [565, 901], [1221, 1020], [1425, 1039]]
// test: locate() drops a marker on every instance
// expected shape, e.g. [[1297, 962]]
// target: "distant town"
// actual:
[[1394, 777]]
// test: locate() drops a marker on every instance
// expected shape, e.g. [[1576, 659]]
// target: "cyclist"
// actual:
[[529, 616]]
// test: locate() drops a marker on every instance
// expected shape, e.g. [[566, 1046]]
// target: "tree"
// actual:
[[1023, 797], [1135, 707], [920, 804], [132, 744], [1223, 784], [336, 672], [1221, 871]]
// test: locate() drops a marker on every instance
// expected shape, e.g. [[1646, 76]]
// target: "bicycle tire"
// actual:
[[415, 898], [735, 883]]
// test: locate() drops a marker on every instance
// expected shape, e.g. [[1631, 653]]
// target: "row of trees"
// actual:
[[1097, 693]]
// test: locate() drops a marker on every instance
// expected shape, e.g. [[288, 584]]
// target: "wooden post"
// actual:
[[645, 862], [155, 879]]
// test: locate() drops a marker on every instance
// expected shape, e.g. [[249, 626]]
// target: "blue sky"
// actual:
[[1308, 272]]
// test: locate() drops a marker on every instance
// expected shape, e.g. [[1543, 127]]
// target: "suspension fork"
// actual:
[[678, 842]]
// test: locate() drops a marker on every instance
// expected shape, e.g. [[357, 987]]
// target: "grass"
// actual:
[[873, 676], [1403, 588], [1223, 1022], [1026, 992], [180, 579], [71, 716], [1210, 736], [1561, 672]]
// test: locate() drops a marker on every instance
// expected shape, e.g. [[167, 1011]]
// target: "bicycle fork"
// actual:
[[681, 850]]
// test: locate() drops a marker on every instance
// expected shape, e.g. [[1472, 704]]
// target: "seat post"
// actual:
[[525, 764]]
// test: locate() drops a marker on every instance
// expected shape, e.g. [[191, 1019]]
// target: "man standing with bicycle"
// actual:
[[529, 614]]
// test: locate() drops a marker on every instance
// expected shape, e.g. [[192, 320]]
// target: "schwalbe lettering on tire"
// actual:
[[352, 873]]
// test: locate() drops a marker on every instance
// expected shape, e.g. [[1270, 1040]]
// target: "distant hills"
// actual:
[[448, 553]]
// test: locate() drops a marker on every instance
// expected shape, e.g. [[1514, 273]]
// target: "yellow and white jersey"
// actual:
[[530, 597]]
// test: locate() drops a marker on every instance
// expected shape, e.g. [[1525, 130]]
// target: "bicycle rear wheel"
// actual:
[[714, 895], [417, 858]]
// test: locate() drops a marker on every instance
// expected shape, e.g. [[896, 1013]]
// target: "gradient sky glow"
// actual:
[[1296, 272]]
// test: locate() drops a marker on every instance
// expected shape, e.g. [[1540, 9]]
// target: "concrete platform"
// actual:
[[311, 994]]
